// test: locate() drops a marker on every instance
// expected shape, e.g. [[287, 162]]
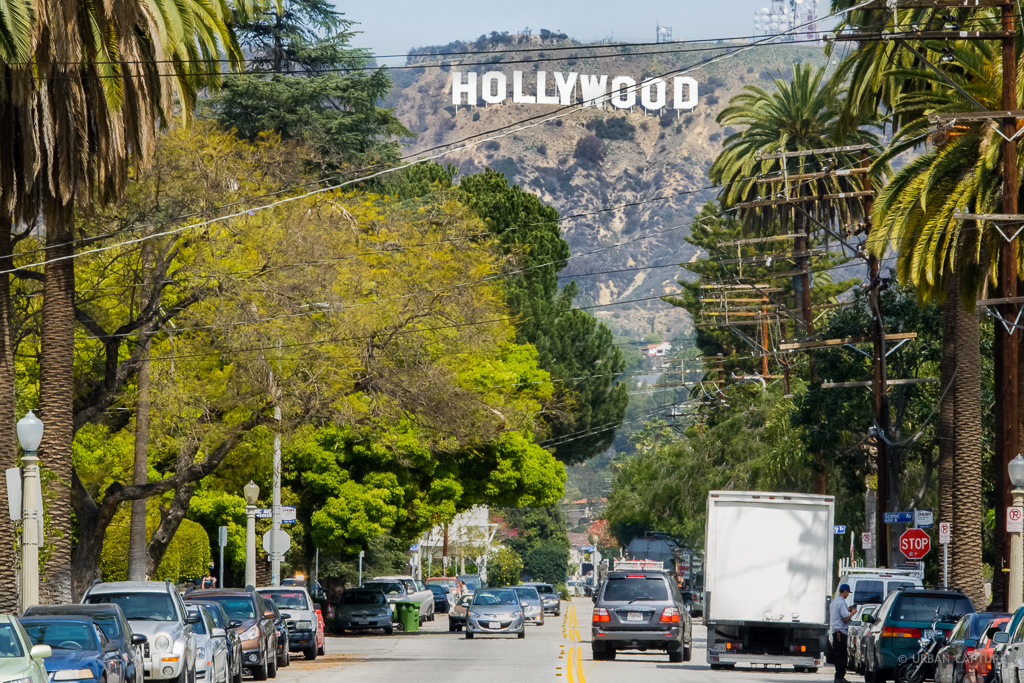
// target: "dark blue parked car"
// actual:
[[441, 603], [80, 650]]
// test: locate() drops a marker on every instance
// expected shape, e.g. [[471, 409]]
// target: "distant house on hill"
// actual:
[[658, 350]]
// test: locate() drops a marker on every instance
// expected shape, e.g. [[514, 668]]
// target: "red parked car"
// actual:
[[978, 662]]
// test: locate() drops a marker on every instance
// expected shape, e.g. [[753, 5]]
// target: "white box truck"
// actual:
[[767, 578]]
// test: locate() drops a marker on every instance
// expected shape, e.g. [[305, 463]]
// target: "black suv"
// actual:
[[641, 610]]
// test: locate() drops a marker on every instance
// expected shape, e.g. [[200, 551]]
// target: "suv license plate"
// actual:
[[494, 624], [931, 632], [634, 616]]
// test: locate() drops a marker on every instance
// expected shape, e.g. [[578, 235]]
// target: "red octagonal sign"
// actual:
[[915, 544]]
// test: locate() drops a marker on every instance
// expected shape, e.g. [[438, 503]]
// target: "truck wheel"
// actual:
[[675, 656], [321, 651], [310, 653]]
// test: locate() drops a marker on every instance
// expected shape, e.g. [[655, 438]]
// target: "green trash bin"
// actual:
[[408, 615]]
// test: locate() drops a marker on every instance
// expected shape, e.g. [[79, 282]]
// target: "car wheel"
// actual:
[[558, 612], [259, 673], [687, 653], [310, 653], [285, 659], [452, 628], [388, 630], [237, 678], [676, 655], [522, 634], [469, 635], [272, 666], [321, 651]]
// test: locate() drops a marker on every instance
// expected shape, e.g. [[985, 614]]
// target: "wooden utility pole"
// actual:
[[1006, 339], [764, 338]]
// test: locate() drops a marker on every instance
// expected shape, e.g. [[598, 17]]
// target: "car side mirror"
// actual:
[[1000, 637], [40, 652], [269, 614], [195, 618], [218, 633], [234, 624], [139, 639], [285, 615], [867, 619]]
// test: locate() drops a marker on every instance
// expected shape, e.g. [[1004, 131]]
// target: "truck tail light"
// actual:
[[734, 646], [900, 632], [670, 615], [601, 615], [798, 648]]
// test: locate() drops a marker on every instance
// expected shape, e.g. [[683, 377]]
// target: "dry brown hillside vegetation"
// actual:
[[597, 158]]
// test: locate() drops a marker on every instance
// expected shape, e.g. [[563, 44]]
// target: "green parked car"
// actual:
[[904, 617]]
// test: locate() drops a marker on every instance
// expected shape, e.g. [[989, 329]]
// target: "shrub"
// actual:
[[547, 563], [613, 129], [492, 145], [187, 557], [591, 149], [476, 116], [542, 150], [505, 569]]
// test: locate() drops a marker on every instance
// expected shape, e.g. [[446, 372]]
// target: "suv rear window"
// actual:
[[238, 607], [629, 588], [363, 598], [922, 607], [548, 590], [389, 587], [868, 592], [286, 599]]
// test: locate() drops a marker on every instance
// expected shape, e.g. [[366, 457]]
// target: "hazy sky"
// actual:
[[394, 26]]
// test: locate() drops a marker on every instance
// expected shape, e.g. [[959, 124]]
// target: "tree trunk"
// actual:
[[137, 531], [56, 393], [170, 520], [965, 548], [8, 447]]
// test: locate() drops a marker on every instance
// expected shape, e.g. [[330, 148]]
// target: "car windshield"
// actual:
[[389, 587], [495, 597], [357, 597], [61, 635], [922, 608], [139, 606], [471, 581], [545, 589], [634, 588], [896, 585], [238, 607], [978, 626], [465, 600], [288, 599], [216, 616], [106, 619], [527, 593], [10, 643]]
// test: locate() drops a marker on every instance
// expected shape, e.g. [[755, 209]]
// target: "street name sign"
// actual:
[[897, 517]]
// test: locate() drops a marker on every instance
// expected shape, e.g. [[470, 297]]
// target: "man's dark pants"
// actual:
[[839, 653]]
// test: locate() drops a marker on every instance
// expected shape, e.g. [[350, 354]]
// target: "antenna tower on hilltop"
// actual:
[[663, 34]]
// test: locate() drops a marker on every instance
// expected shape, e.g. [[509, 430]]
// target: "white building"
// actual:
[[470, 537]]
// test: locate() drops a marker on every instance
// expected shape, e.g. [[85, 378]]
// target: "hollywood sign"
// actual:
[[622, 92]]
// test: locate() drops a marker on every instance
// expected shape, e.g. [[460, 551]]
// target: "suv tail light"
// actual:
[[900, 632], [734, 646], [601, 615], [670, 615]]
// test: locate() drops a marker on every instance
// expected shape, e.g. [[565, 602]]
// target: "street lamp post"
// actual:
[[1016, 592], [252, 494], [30, 433]]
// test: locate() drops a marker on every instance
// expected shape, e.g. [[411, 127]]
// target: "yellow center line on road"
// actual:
[[579, 666], [568, 670]]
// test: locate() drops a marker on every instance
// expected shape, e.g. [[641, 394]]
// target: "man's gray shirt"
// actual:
[[838, 611]]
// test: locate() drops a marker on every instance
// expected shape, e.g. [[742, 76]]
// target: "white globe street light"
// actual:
[[30, 433]]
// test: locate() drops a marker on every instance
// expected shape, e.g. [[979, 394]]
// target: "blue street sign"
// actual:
[[897, 517], [839, 529]]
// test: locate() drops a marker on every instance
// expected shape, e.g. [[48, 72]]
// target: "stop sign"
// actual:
[[915, 544]]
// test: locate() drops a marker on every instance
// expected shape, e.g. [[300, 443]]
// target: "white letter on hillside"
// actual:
[[658, 86], [542, 89], [458, 89], [494, 87], [691, 100], [565, 86], [517, 90], [594, 90], [623, 92]]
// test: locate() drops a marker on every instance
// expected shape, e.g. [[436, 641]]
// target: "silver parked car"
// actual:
[[154, 609], [533, 608], [495, 610], [362, 609], [303, 625], [211, 647]]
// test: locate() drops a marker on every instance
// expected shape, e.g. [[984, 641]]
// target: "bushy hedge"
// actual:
[[547, 563], [187, 557]]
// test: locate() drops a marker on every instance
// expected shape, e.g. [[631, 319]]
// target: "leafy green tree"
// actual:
[[308, 83], [505, 568], [547, 562], [574, 347], [187, 557]]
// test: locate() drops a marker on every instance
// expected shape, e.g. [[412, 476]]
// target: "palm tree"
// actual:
[[949, 260], [806, 113], [82, 100]]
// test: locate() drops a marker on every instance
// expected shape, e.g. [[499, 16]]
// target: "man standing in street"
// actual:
[[839, 628]]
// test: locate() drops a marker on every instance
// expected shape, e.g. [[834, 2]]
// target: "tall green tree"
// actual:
[[574, 347], [87, 88], [308, 83]]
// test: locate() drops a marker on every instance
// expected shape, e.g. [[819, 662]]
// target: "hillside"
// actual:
[[646, 155]]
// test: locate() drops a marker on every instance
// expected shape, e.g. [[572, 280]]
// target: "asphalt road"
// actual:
[[558, 652]]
